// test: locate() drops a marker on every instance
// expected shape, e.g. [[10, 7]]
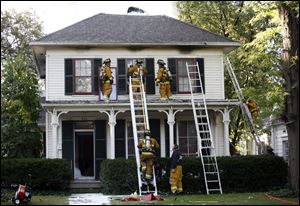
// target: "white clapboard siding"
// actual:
[[214, 74]]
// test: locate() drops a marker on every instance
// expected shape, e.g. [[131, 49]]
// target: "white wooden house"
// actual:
[[86, 130]]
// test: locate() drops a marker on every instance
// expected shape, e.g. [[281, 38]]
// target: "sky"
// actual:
[[57, 15]]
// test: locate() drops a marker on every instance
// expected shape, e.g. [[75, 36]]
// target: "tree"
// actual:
[[289, 15], [17, 31], [20, 134], [254, 25]]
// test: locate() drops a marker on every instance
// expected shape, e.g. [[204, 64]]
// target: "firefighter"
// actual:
[[135, 71], [253, 108], [147, 146], [107, 79], [176, 170], [164, 79]]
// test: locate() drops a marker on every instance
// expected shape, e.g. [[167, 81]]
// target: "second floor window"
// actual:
[[180, 83], [83, 76]]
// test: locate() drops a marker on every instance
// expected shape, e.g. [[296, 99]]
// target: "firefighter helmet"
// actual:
[[107, 61], [147, 132], [161, 62], [138, 61]]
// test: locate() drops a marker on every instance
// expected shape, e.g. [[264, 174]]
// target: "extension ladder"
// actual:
[[245, 110], [140, 123], [206, 148]]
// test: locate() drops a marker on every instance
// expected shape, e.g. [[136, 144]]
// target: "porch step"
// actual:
[[79, 186]]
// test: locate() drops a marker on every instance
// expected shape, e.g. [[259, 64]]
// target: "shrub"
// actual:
[[46, 174], [238, 174], [118, 176]]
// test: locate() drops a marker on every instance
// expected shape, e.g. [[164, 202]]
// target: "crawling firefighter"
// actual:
[[164, 79], [147, 146], [135, 72], [253, 108], [107, 79]]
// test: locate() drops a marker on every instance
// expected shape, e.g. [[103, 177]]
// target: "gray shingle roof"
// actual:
[[133, 29]]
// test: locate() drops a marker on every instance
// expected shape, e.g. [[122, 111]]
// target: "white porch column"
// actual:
[[54, 124], [56, 139], [112, 123], [162, 140], [226, 121], [171, 122]]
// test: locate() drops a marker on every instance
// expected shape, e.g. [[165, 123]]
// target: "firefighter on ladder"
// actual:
[[107, 79], [176, 170], [253, 108], [147, 146], [135, 72], [164, 79]]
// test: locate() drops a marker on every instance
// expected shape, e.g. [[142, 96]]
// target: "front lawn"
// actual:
[[213, 199], [45, 200]]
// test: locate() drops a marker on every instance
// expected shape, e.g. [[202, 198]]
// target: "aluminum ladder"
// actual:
[[206, 149], [140, 123], [245, 110]]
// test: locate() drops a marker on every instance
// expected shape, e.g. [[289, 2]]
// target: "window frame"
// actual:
[[186, 121], [177, 73], [92, 77]]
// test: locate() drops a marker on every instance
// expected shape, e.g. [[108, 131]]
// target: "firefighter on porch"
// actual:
[[147, 146], [253, 108], [163, 79], [176, 170], [107, 79], [135, 72]]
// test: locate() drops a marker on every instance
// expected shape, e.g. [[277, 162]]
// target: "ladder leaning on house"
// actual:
[[245, 110], [140, 123], [206, 148]]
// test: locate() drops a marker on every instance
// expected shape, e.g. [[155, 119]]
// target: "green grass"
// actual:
[[45, 200], [214, 199], [203, 199]]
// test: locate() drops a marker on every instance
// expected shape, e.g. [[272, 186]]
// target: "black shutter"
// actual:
[[201, 69], [122, 85], [120, 139], [100, 151], [150, 81], [167, 132], [172, 68], [155, 131], [68, 76], [67, 142], [97, 64]]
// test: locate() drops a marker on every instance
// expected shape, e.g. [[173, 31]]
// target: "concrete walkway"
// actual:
[[89, 199]]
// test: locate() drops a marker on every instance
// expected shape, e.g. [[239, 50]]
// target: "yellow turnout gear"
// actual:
[[164, 80], [107, 81], [147, 155], [134, 72]]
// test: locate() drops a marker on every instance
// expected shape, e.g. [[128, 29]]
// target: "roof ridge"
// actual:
[[191, 25]]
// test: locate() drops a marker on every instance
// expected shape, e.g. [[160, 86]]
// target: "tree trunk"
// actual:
[[290, 68]]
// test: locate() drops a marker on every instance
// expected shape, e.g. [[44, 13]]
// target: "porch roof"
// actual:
[[152, 104]]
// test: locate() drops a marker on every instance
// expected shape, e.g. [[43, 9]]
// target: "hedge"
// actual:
[[46, 174], [238, 174]]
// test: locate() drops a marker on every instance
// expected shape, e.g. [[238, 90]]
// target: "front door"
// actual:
[[84, 155]]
